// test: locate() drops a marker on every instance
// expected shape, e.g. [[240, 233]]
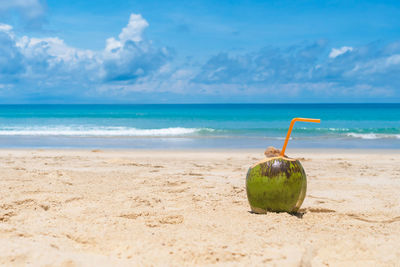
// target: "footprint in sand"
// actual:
[[6, 216], [9, 209], [171, 219], [152, 223], [28, 201], [142, 201]]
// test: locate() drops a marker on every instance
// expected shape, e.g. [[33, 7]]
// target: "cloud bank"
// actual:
[[48, 66], [310, 70], [130, 67]]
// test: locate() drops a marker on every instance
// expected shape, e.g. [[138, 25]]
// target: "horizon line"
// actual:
[[222, 103]]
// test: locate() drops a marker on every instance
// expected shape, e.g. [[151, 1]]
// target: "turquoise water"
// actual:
[[193, 126]]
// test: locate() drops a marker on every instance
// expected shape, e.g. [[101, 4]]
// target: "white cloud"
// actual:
[[51, 61], [112, 45], [56, 51], [340, 51], [132, 32], [5, 27], [131, 57], [54, 47], [130, 64], [50, 65]]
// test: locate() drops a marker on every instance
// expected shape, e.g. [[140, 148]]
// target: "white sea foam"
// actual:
[[372, 136], [101, 131]]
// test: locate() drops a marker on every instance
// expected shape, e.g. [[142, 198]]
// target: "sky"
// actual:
[[203, 51]]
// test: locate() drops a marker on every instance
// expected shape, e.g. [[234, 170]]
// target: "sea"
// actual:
[[199, 126]]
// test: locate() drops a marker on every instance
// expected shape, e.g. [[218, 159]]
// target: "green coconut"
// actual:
[[277, 183]]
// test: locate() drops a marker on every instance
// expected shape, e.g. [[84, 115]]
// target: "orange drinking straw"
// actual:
[[290, 131]]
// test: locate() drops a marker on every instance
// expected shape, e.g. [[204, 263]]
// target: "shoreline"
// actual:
[[188, 143], [220, 150]]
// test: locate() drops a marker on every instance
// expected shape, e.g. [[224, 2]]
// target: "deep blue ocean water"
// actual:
[[199, 126]]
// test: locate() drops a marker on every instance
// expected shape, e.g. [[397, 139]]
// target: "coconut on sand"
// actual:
[[277, 183]]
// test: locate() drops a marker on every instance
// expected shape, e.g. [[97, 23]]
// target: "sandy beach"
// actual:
[[143, 207]]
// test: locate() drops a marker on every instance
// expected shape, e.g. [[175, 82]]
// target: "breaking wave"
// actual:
[[102, 131], [270, 133], [371, 136]]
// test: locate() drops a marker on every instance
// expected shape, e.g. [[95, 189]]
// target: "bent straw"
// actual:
[[290, 131]]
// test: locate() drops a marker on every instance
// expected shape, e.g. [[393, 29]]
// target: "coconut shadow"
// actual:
[[298, 214]]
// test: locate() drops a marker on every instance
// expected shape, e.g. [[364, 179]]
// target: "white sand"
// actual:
[[71, 208]]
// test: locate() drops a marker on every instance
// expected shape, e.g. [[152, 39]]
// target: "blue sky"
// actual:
[[199, 51]]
